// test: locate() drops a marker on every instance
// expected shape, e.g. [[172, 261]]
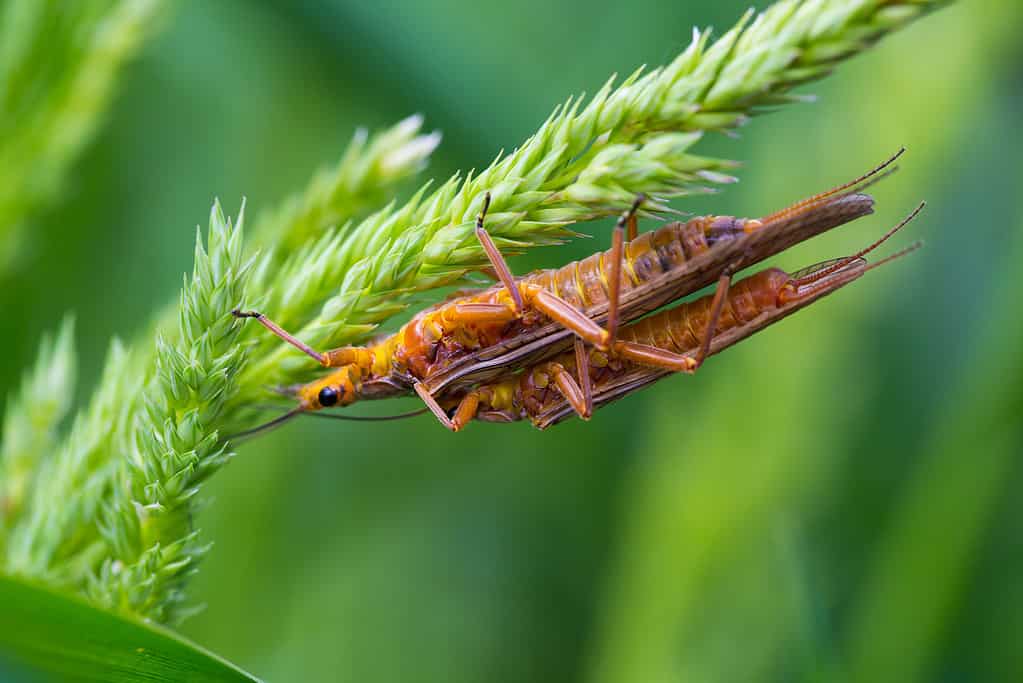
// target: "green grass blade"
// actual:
[[63, 638]]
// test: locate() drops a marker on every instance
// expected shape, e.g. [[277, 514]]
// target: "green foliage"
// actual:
[[134, 459], [59, 65], [871, 453], [174, 443], [129, 473], [57, 543], [132, 462], [914, 614], [31, 420], [584, 162], [357, 183], [67, 639]]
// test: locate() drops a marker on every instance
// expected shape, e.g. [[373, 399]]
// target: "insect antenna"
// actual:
[[286, 417], [873, 175], [367, 418], [871, 181], [266, 426], [842, 263], [897, 255]]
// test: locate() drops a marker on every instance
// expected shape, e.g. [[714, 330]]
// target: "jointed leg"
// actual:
[[570, 390], [631, 221], [481, 313], [716, 306], [434, 407], [333, 358], [578, 394], [466, 410], [559, 310], [496, 259], [280, 332], [582, 368], [653, 356], [570, 317], [464, 413], [550, 304], [614, 280]]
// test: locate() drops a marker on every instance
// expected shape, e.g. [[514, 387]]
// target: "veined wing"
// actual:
[[545, 342], [638, 377]]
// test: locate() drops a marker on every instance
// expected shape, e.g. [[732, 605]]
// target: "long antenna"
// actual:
[[803, 204], [842, 263], [897, 255], [367, 418], [278, 421], [266, 426]]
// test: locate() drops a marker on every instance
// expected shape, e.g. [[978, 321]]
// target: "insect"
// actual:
[[675, 340], [479, 336]]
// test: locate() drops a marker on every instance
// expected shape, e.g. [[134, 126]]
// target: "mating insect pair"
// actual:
[[450, 352], [676, 340]]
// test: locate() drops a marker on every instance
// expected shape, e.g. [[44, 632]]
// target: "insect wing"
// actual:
[[639, 377], [533, 346]]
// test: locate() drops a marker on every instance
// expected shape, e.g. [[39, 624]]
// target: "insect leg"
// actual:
[[632, 221], [653, 356], [614, 280], [559, 310], [280, 332], [571, 391], [578, 394], [349, 355], [716, 306], [481, 313], [496, 259], [466, 410], [434, 407], [582, 366]]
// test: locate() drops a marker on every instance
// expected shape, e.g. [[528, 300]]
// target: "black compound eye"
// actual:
[[328, 396]]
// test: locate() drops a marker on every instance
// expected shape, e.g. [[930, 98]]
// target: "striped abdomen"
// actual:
[[434, 338], [682, 329], [585, 283]]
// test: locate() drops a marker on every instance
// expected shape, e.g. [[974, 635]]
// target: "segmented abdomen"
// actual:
[[683, 328], [431, 338], [585, 283], [680, 330]]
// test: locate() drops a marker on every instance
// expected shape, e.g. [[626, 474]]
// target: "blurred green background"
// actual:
[[838, 497]]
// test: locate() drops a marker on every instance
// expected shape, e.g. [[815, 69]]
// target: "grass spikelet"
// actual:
[[31, 420], [59, 67], [128, 474]]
